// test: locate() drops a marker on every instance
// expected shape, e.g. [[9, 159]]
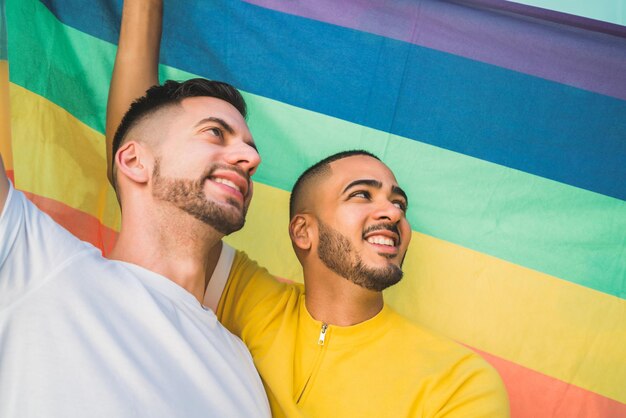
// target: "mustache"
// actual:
[[388, 226]]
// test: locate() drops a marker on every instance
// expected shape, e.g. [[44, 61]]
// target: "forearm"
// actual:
[[136, 62]]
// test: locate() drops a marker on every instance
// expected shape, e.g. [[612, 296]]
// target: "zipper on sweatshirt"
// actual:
[[321, 343], [322, 337]]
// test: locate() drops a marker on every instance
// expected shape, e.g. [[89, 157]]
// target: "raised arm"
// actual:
[[4, 185], [136, 62]]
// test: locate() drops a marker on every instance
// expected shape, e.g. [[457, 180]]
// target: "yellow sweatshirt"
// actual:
[[383, 367]]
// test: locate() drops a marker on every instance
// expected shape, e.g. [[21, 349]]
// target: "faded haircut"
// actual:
[[169, 94]]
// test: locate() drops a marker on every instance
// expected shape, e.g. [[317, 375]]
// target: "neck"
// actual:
[[172, 244], [334, 300]]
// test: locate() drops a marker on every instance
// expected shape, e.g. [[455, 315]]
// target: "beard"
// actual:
[[338, 254], [189, 196]]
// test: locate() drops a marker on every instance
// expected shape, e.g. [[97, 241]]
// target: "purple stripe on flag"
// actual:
[[570, 55], [551, 15]]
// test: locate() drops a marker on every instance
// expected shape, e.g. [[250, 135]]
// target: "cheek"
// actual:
[[352, 219], [174, 168], [351, 225], [186, 165], [407, 233]]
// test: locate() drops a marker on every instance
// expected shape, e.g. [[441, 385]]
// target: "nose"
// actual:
[[245, 156], [388, 211]]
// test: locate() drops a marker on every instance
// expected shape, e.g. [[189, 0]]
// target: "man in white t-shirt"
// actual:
[[81, 335]]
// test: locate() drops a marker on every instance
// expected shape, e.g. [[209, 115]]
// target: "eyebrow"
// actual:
[[226, 127], [219, 121], [363, 182], [377, 184]]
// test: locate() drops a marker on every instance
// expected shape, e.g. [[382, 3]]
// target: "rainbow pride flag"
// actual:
[[505, 123]]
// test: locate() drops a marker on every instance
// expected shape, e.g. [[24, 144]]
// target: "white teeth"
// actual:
[[377, 239], [226, 183]]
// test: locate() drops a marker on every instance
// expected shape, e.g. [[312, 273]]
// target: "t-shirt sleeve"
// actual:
[[250, 298], [32, 247], [474, 390]]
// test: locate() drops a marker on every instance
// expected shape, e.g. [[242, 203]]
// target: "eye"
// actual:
[[400, 204], [364, 194], [215, 132]]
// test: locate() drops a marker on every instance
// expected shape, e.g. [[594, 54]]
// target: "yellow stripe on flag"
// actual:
[[69, 154]]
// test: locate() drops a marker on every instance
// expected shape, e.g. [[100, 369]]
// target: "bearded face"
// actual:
[[338, 254], [190, 196]]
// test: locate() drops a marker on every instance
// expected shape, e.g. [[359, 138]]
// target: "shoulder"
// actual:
[[251, 294], [423, 342], [33, 248], [234, 274], [459, 376], [246, 271], [20, 217]]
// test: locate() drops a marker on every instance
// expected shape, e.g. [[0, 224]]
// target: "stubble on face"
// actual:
[[338, 254], [189, 196]]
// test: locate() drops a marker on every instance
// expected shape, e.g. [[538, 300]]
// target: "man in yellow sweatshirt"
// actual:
[[335, 350], [332, 348]]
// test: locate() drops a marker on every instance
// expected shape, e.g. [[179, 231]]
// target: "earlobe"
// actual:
[[300, 232], [130, 159]]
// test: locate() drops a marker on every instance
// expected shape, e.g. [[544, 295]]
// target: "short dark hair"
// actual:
[[320, 167], [172, 93]]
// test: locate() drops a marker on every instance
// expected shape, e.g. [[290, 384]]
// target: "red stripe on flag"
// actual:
[[534, 394], [86, 227]]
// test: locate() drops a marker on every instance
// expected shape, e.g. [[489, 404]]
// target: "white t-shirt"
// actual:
[[83, 336]]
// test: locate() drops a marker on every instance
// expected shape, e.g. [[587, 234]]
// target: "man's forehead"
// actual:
[[346, 170], [207, 103], [200, 109]]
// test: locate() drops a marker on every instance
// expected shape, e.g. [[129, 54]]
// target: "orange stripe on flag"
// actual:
[[534, 394], [82, 225]]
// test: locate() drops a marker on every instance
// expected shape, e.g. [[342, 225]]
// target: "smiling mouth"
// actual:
[[227, 183], [385, 235], [231, 179], [381, 240]]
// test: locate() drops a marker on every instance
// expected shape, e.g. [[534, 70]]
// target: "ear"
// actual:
[[131, 160], [300, 231]]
